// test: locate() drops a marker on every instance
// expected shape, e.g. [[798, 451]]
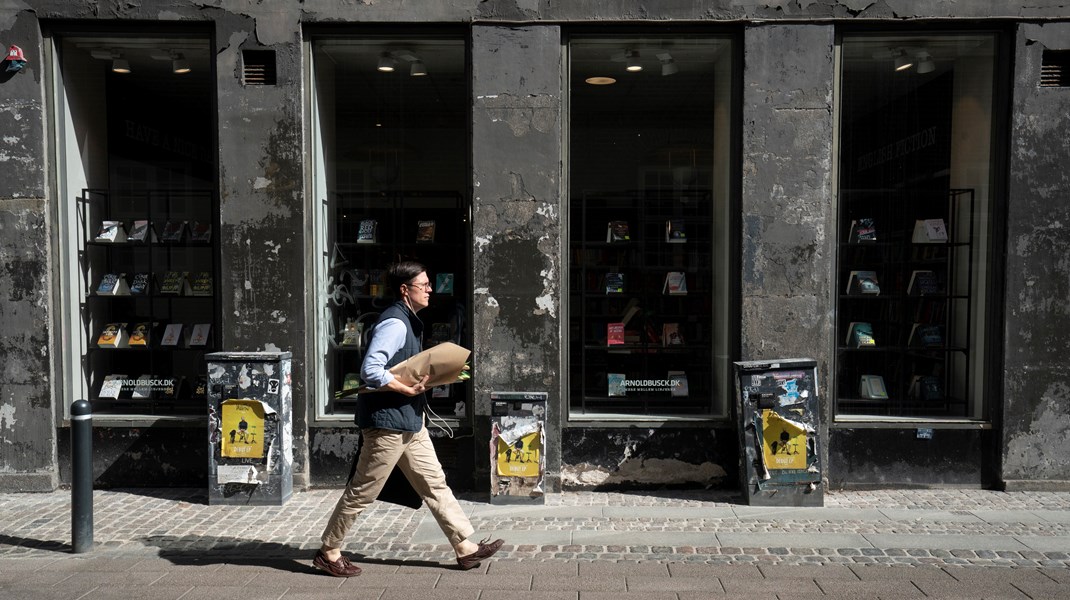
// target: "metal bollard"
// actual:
[[81, 476]]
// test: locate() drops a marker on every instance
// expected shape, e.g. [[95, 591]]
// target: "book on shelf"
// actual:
[[678, 381], [675, 283], [172, 387], [871, 387], [617, 231], [425, 231], [173, 232], [863, 230], [615, 385], [614, 334], [863, 282], [143, 388], [652, 336], [113, 284], [112, 386], [670, 335], [141, 284], [175, 283], [141, 231], [172, 335], [351, 381], [111, 232], [860, 335], [675, 231], [444, 283], [199, 334], [200, 388], [141, 334], [924, 283], [929, 231], [614, 283], [352, 332], [441, 391], [368, 231], [200, 283], [926, 335], [200, 232], [113, 335], [630, 310], [928, 388]]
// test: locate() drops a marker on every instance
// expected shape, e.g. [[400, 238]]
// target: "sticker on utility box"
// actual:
[[243, 429], [783, 442], [236, 474], [520, 457]]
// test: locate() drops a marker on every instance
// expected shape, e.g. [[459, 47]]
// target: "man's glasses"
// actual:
[[426, 286]]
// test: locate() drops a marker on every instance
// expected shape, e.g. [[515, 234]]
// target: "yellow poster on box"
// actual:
[[783, 442], [521, 458], [243, 429]]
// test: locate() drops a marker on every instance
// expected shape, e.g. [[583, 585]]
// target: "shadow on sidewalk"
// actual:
[[49, 545], [178, 494]]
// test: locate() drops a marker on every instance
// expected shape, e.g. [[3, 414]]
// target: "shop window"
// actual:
[[138, 222], [916, 125], [391, 177], [649, 259]]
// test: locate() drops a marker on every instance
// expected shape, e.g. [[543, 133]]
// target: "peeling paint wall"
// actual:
[[516, 164], [1036, 425]]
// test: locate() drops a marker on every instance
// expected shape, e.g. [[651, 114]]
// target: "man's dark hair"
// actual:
[[402, 272]]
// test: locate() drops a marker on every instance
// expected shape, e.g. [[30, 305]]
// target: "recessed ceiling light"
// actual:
[[600, 80]]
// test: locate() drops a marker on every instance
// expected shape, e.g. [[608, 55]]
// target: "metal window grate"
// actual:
[[258, 67], [1055, 69]]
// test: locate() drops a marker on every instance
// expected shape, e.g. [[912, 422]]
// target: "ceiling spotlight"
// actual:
[[925, 62], [598, 80], [179, 64], [633, 62], [120, 65], [668, 67], [417, 69], [902, 63], [387, 63]]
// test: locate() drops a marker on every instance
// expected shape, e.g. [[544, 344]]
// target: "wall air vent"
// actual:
[[258, 67], [1055, 69]]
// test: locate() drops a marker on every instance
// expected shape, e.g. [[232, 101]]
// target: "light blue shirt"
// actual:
[[387, 338]]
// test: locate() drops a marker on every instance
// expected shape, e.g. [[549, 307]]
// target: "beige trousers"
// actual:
[[415, 456]]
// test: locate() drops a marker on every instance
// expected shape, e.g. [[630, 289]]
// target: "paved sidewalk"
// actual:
[[679, 544]]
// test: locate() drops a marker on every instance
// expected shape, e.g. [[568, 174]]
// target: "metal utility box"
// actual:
[[779, 432], [518, 437], [250, 428]]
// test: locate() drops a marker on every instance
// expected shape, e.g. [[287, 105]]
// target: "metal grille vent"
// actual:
[[1055, 69], [258, 67]]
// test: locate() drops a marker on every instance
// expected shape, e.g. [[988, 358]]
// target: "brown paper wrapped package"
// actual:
[[443, 363]]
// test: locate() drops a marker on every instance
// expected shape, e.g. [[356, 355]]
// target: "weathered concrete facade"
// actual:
[[786, 238]]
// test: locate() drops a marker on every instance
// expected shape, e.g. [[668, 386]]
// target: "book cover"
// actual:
[[614, 283], [112, 386], [926, 335], [111, 231], [442, 391], [678, 381], [368, 231], [862, 230], [615, 385], [630, 310], [143, 388], [863, 282], [172, 335], [200, 283], [651, 333], [860, 335], [199, 334], [141, 284], [141, 231], [113, 335], [200, 388], [113, 284], [174, 283], [929, 231], [872, 387], [927, 387], [172, 387], [354, 330], [614, 334], [141, 334], [617, 231], [444, 283], [351, 381], [670, 335], [200, 232], [675, 283], [425, 231], [675, 231], [174, 232]]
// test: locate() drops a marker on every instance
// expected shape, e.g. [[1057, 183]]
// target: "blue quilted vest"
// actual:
[[391, 410]]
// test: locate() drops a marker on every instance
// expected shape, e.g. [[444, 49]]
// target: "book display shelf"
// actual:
[[640, 303], [904, 312], [149, 308], [369, 232]]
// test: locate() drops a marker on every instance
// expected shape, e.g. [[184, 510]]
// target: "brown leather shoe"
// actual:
[[339, 568], [486, 550]]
